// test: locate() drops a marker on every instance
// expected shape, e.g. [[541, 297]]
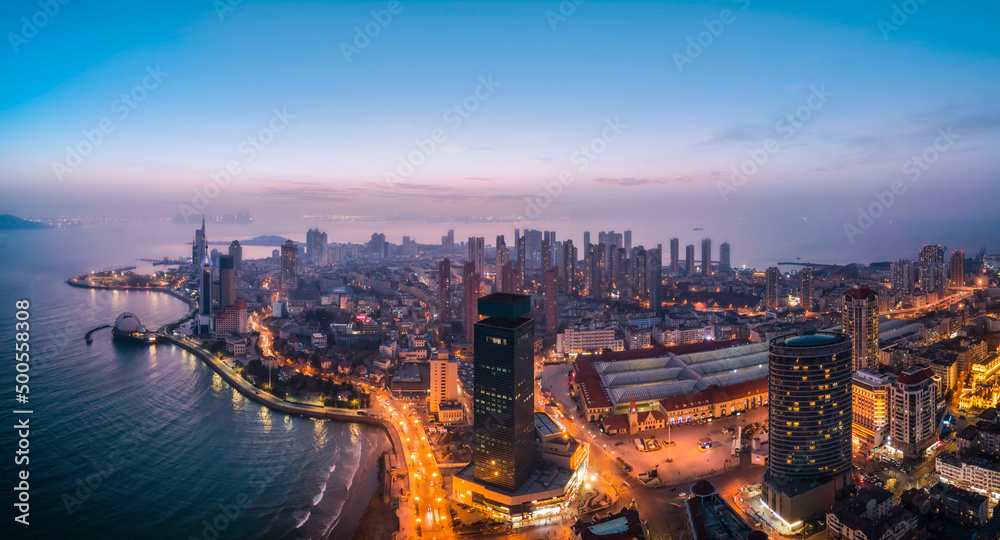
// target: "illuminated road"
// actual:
[[425, 508]]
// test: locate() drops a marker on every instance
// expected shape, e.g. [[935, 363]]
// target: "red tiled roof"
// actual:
[[616, 422]]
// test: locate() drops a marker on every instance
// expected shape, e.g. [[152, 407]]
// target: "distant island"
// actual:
[[265, 240], [14, 223]]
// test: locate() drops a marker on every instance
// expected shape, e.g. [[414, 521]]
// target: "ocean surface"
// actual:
[[132, 441]]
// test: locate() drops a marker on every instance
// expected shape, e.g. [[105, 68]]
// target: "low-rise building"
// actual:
[[960, 506]]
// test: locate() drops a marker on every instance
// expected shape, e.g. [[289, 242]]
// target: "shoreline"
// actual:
[[250, 392]]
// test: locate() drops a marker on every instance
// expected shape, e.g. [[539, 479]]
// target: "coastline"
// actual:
[[367, 478]]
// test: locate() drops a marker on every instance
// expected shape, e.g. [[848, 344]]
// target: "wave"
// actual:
[[319, 496], [301, 517]]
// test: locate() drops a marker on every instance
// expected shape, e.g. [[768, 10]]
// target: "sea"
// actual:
[[136, 441]]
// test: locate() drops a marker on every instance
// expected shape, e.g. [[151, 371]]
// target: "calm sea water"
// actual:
[[147, 442]]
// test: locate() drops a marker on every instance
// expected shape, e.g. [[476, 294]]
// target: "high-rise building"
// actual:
[[199, 247], [546, 254], [706, 257], [619, 272], [902, 276], [810, 415], [871, 398], [316, 246], [860, 321], [600, 270], [958, 269], [503, 451], [932, 269], [503, 257], [205, 316], [654, 279], [522, 264], [913, 411], [444, 290], [806, 288], [508, 277], [448, 241], [586, 242], [628, 242], [551, 302], [675, 244], [689, 259], [444, 382], [227, 281], [289, 264], [471, 286], [568, 269], [638, 268], [236, 252], [724, 263], [477, 253], [773, 288]]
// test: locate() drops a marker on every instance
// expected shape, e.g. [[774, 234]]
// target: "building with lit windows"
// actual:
[[810, 414], [860, 320], [914, 396], [871, 400], [507, 476], [773, 289]]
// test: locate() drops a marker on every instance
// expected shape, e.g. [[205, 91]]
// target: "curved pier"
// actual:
[[90, 339]]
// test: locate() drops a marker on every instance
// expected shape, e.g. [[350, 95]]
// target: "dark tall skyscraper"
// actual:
[[205, 314], [654, 273], [227, 281], [503, 452], [289, 264], [725, 265], [806, 288], [471, 287], [706, 257], [508, 277], [586, 243], [477, 253], [675, 246], [772, 292], [619, 271], [236, 252], [689, 259], [600, 270], [444, 290], [810, 413], [628, 242]]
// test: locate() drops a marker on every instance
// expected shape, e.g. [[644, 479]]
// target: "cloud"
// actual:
[[478, 179], [309, 192], [684, 179]]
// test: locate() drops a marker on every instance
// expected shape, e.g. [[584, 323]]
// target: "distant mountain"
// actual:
[[265, 240], [13, 223]]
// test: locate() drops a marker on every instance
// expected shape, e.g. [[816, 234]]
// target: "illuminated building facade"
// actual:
[[860, 320], [810, 413], [871, 398], [503, 450]]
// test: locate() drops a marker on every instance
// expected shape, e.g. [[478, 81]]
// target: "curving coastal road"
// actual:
[[398, 460]]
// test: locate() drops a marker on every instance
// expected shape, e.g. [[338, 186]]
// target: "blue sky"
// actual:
[[558, 87]]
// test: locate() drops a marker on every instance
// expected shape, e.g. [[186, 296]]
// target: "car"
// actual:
[[619, 443], [682, 494], [673, 489]]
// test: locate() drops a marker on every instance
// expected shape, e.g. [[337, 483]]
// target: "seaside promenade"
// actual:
[[397, 461]]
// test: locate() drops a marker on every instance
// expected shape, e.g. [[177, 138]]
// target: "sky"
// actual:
[[611, 111]]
